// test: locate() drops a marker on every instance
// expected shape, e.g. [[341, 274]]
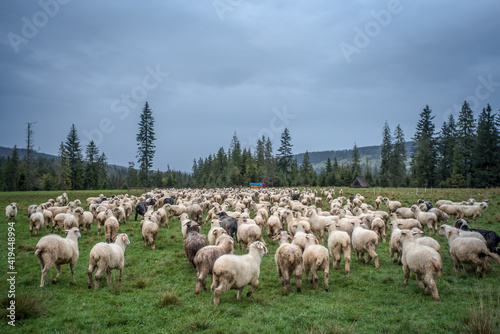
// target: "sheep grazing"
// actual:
[[289, 260], [205, 258], [111, 225], [248, 232], [11, 212], [428, 219], [405, 213], [391, 205], [55, 250], [405, 224], [339, 242], [194, 240], [36, 220], [441, 216], [236, 271], [364, 241], [107, 257], [316, 258], [469, 250], [471, 211], [424, 261], [491, 237]]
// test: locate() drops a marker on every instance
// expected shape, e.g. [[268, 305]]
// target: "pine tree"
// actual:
[[91, 173], [368, 175], [285, 154], [446, 145], [31, 169], [63, 169], [102, 172], [75, 159], [306, 169], [397, 166], [355, 162], [422, 159], [270, 162], [426, 127], [466, 128], [145, 142], [486, 153], [385, 155], [132, 174]]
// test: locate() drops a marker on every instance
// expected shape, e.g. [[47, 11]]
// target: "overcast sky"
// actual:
[[331, 71]]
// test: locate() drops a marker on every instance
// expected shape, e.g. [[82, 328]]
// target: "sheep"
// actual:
[[364, 241], [59, 220], [11, 212], [205, 258], [163, 216], [449, 209], [405, 213], [443, 231], [100, 219], [214, 225], [391, 205], [377, 225], [426, 241], [299, 237], [441, 216], [288, 259], [48, 218], [236, 271], [395, 245], [69, 222], [149, 229], [319, 223], [111, 225], [378, 201], [471, 211], [228, 223], [107, 257], [195, 212], [85, 219], [427, 204], [424, 261], [248, 232], [31, 209], [36, 220], [55, 250], [274, 225], [491, 237], [119, 214], [316, 258], [428, 219], [339, 242], [194, 240], [406, 224], [469, 250]]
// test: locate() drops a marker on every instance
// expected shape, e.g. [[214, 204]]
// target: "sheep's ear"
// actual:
[[66, 231], [124, 238]]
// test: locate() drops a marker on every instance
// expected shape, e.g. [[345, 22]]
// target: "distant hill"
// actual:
[[318, 159], [6, 151]]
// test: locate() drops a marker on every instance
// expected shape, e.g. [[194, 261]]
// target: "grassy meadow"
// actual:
[[157, 291]]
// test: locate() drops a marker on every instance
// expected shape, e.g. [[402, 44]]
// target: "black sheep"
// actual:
[[228, 223], [194, 240]]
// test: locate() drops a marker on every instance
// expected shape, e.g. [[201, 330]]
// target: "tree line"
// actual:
[[464, 153]]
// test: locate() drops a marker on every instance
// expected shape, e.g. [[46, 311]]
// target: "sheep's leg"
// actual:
[[431, 285], [58, 267], [394, 260], [90, 271], [255, 284], [285, 276], [218, 292], [315, 278], [108, 276], [120, 276], [420, 284], [239, 293], [298, 278], [374, 256], [325, 277], [335, 259], [347, 260], [44, 279], [406, 271], [200, 282], [215, 282]]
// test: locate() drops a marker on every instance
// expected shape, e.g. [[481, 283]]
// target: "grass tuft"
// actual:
[[26, 307], [141, 283], [169, 299], [484, 316]]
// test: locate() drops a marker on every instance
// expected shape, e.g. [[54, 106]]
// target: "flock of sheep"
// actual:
[[350, 225]]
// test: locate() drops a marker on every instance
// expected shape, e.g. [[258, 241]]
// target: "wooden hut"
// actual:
[[360, 182]]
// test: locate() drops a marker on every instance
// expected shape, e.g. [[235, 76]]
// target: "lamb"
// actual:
[[338, 242], [299, 237], [364, 241], [471, 211], [316, 258], [428, 219], [248, 232], [119, 214], [391, 205], [11, 212], [149, 229], [111, 225], [441, 216], [491, 237], [31, 209], [55, 250], [377, 225], [163, 216], [205, 258], [424, 261], [36, 220], [469, 250], [236, 271], [59, 220], [288, 258], [100, 219], [107, 257], [194, 240]]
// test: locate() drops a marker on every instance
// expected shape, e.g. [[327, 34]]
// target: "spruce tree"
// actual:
[[63, 169], [145, 142], [132, 174], [91, 172], [75, 159], [421, 160], [306, 169], [355, 162], [31, 169], [284, 155], [397, 166], [486, 153], [466, 127], [426, 127], [446, 145], [385, 156], [270, 162], [12, 171]]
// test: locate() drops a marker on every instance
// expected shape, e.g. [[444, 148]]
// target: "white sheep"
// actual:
[[339, 242], [36, 220], [316, 258], [405, 224], [395, 244], [55, 250], [149, 229], [426, 241], [48, 218], [107, 257], [428, 219], [11, 212], [405, 213], [236, 271], [288, 258], [469, 250], [364, 241], [471, 211], [248, 232], [443, 231], [214, 224], [424, 261], [85, 219], [274, 224], [391, 205], [111, 225]]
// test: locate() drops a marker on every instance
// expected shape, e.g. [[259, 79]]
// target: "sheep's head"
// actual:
[[73, 230], [462, 224], [259, 245]]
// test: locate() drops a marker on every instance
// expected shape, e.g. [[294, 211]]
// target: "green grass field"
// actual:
[[157, 291]]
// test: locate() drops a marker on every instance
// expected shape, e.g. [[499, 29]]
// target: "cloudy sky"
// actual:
[[331, 71]]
